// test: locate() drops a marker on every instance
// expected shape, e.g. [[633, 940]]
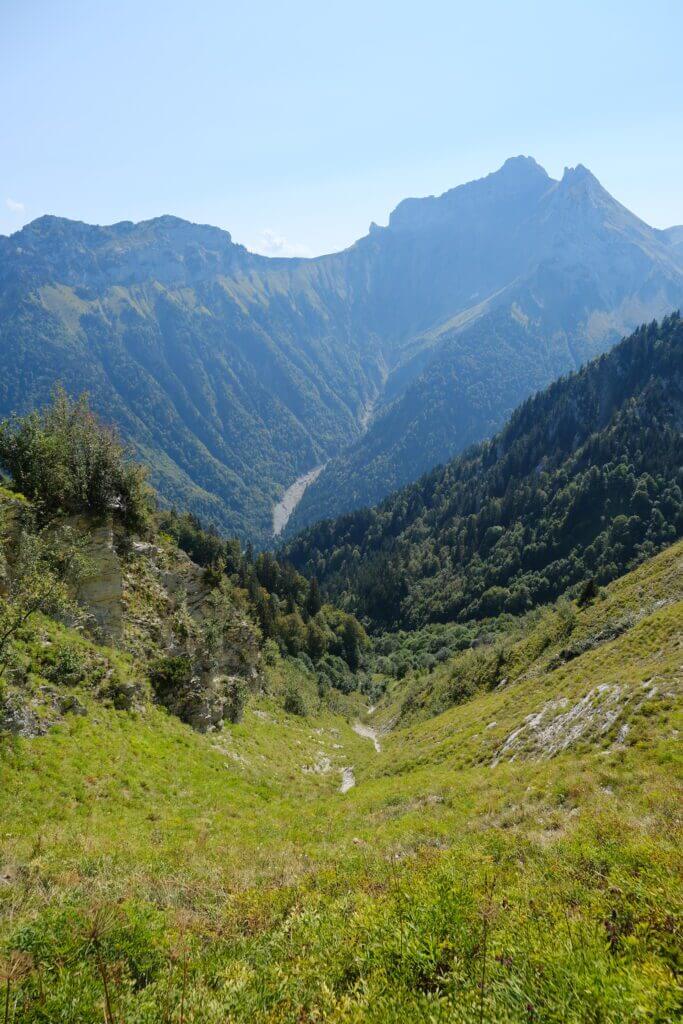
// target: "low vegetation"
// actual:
[[154, 874], [65, 461]]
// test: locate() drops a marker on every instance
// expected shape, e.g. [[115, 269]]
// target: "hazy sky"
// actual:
[[294, 124]]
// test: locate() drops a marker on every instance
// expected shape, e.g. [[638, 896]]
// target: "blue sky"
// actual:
[[294, 124]]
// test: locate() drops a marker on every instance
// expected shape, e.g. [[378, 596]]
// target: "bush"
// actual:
[[271, 652], [587, 593], [66, 461], [234, 693], [169, 675], [295, 702], [122, 694], [334, 671], [67, 665]]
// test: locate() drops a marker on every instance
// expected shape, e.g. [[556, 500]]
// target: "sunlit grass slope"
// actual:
[[513, 858]]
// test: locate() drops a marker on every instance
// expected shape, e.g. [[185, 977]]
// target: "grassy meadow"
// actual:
[[511, 854]]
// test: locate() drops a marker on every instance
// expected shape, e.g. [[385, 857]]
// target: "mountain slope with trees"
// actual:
[[583, 482], [583, 272], [232, 374], [195, 618], [194, 824]]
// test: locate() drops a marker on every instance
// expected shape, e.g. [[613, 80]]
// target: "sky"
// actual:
[[295, 124]]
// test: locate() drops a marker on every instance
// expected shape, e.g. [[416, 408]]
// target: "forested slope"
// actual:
[[584, 481]]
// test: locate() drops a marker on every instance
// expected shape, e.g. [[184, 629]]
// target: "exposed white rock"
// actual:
[[553, 729], [101, 593], [367, 733]]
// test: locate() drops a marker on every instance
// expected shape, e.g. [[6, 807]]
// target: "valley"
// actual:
[[387, 882], [231, 374], [341, 513], [390, 787]]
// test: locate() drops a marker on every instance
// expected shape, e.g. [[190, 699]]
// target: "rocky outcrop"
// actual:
[[192, 638], [207, 703], [202, 651], [101, 592], [18, 718]]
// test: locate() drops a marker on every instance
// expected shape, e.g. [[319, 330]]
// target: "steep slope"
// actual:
[[232, 374], [465, 393], [192, 619], [576, 272], [228, 382], [674, 236], [583, 481], [568, 648]]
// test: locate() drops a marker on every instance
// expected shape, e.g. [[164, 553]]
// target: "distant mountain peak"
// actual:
[[519, 176], [580, 173], [581, 189], [522, 167]]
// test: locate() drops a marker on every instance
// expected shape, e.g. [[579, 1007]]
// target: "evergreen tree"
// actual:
[[314, 600]]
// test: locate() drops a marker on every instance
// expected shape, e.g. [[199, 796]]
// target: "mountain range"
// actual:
[[232, 374]]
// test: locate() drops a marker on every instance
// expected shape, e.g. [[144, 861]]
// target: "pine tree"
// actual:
[[313, 601]]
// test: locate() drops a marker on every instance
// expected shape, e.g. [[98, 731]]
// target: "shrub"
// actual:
[[68, 666], [169, 675], [122, 694], [235, 693], [295, 702], [46, 568], [334, 671], [64, 459], [271, 653], [588, 592]]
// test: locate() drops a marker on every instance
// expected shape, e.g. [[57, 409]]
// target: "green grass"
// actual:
[[222, 878]]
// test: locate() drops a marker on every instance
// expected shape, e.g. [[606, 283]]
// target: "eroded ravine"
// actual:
[[291, 498], [368, 733]]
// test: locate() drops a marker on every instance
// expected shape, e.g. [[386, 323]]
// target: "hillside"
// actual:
[[583, 482], [464, 393], [232, 375], [193, 621], [515, 858], [214, 372]]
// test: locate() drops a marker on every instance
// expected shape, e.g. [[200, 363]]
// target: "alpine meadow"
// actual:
[[341, 582]]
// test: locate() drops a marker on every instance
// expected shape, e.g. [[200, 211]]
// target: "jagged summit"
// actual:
[[519, 177], [521, 167], [579, 172], [580, 177]]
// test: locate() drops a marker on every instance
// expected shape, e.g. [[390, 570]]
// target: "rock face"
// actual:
[[202, 651], [207, 702], [190, 637], [17, 717], [101, 593]]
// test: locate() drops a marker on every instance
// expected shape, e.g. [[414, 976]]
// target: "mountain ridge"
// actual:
[[231, 374]]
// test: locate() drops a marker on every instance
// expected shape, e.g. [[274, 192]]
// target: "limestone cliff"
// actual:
[[186, 635]]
